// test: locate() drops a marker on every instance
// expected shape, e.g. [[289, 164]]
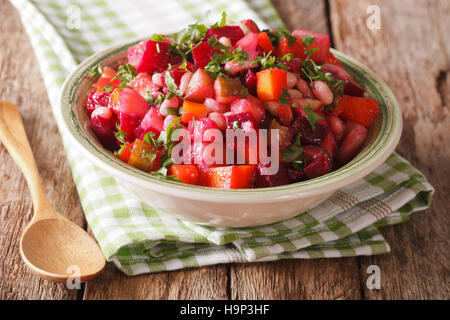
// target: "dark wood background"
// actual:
[[411, 52]]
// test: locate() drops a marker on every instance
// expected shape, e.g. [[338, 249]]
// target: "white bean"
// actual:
[[225, 41], [156, 79], [101, 112], [322, 92], [184, 81], [295, 93], [304, 88], [291, 79], [219, 119], [170, 103]]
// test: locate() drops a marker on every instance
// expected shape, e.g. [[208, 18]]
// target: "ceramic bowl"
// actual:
[[228, 208]]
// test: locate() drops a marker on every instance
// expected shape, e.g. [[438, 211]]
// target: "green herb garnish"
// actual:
[[293, 153], [311, 116], [284, 97], [108, 88], [97, 70], [120, 135]]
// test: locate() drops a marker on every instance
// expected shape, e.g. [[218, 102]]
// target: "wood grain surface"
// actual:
[[410, 52]]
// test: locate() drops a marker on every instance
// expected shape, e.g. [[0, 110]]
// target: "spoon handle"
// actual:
[[14, 138]]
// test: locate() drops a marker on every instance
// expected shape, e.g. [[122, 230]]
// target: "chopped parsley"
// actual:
[[125, 73], [108, 88], [311, 116], [292, 154], [284, 97], [171, 85], [268, 61], [120, 135]]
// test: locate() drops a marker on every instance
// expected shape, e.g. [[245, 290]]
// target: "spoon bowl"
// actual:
[[56, 249]]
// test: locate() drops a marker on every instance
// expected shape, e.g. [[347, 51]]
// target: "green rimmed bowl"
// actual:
[[228, 208]]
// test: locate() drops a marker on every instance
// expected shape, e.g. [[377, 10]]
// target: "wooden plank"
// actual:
[[298, 279], [411, 53], [191, 284], [301, 14], [22, 84]]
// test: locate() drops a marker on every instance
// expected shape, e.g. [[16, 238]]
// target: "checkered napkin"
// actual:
[[136, 237]]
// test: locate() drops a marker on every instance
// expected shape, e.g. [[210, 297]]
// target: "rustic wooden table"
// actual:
[[411, 52]]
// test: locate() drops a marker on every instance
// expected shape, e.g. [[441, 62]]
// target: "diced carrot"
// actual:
[[361, 110], [265, 43], [144, 156], [231, 177], [188, 173], [270, 83], [126, 152], [192, 109], [114, 100]]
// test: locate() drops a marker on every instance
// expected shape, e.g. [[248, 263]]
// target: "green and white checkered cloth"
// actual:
[[136, 237]]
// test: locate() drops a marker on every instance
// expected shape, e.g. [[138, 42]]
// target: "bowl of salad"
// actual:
[[230, 125]]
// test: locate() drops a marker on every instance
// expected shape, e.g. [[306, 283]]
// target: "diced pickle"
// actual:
[[144, 156]]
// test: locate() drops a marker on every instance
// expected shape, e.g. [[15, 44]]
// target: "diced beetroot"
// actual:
[[201, 86], [203, 54], [295, 175], [317, 168], [308, 135], [295, 65], [321, 42], [200, 127], [175, 59], [243, 118], [235, 33], [149, 56], [352, 142], [351, 88], [203, 173], [244, 105], [133, 104], [103, 124], [317, 161], [153, 121], [278, 179], [143, 83], [251, 25], [329, 143], [128, 124], [265, 121], [248, 79], [97, 99]]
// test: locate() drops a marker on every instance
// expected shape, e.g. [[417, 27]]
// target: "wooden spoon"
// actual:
[[51, 246]]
